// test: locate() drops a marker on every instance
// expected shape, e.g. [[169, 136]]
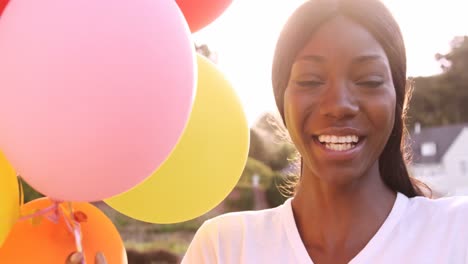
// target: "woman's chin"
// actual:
[[340, 176]]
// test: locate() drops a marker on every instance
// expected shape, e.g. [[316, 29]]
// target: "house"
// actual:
[[440, 157]]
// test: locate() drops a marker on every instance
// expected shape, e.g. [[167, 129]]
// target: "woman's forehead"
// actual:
[[341, 37]]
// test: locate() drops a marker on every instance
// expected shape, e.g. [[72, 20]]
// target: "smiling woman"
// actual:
[[339, 79], [341, 85]]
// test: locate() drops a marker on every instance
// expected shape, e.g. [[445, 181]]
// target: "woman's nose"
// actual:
[[338, 101]]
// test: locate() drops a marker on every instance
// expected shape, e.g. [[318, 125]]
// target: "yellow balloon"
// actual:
[[205, 165], [9, 198]]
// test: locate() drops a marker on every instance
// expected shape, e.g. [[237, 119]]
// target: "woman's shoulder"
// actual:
[[236, 223], [442, 219], [449, 204], [453, 208], [229, 236]]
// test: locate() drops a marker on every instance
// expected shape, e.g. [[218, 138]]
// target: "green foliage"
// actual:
[[257, 148], [121, 221], [124, 223], [269, 145], [270, 154], [29, 193], [443, 99], [280, 188], [205, 51], [255, 167], [281, 159], [173, 245], [240, 200], [189, 226]]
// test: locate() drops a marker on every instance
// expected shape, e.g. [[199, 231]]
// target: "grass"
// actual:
[[189, 226], [178, 247]]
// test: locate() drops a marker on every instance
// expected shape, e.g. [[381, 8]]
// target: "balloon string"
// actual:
[[53, 213], [76, 230], [42, 212]]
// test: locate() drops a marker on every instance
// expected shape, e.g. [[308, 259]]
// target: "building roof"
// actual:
[[443, 137]]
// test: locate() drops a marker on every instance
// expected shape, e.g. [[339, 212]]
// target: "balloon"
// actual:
[[206, 164], [3, 4], [42, 241], [9, 198], [94, 94], [200, 13]]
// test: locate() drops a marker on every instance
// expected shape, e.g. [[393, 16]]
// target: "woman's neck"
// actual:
[[339, 220]]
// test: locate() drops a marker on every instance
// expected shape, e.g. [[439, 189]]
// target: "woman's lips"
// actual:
[[336, 150]]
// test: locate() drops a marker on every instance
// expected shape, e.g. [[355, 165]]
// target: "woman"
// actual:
[[339, 78]]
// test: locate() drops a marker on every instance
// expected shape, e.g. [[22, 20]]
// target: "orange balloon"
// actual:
[[39, 240]]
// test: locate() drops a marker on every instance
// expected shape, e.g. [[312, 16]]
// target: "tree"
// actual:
[[29, 194], [270, 156], [206, 52], [257, 145], [443, 99], [270, 144]]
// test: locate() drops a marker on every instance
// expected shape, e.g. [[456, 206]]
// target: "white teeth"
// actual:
[[338, 139], [339, 147]]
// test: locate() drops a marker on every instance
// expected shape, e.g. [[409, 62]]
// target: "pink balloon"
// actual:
[[94, 95]]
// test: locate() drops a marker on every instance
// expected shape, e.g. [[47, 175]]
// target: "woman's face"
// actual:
[[340, 102]]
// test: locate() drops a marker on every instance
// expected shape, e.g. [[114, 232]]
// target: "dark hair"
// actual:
[[376, 18]]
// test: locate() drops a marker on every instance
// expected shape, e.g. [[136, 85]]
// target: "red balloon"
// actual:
[[3, 4], [200, 13]]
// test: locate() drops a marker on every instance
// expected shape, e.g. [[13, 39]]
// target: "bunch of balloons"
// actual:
[[107, 100]]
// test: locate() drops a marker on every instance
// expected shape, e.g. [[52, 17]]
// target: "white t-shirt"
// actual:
[[417, 230]]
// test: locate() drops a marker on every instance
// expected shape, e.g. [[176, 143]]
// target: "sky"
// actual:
[[244, 37]]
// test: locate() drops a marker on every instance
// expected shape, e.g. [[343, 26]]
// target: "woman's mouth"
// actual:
[[343, 147], [338, 143]]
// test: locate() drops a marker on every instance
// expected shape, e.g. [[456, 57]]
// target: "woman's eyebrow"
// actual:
[[367, 58], [313, 58], [357, 60]]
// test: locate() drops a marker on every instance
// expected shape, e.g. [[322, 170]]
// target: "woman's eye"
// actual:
[[309, 83], [370, 84]]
